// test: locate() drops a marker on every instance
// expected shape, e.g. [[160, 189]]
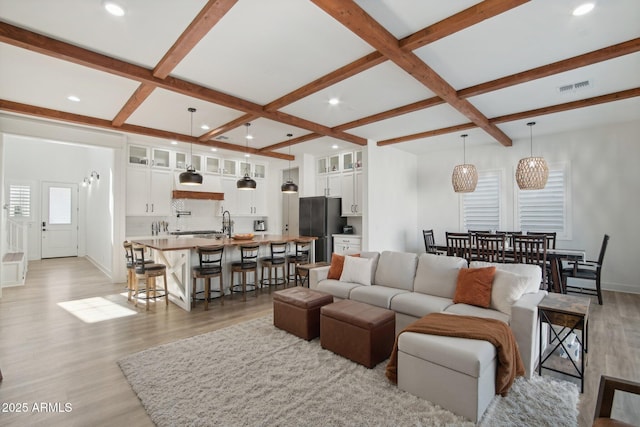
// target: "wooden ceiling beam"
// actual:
[[458, 22], [62, 116], [57, 49], [364, 26], [246, 118], [523, 115], [292, 141], [139, 96]]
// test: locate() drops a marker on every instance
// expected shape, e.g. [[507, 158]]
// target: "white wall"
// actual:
[[391, 198], [605, 191]]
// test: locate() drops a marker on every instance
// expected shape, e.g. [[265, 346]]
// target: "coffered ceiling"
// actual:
[[413, 74]]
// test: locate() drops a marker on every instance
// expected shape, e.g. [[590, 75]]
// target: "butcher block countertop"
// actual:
[[177, 243]]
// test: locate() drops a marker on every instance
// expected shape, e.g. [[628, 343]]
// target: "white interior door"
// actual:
[[59, 220]]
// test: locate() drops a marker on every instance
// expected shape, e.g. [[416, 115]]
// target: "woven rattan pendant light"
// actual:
[[465, 176], [289, 186], [190, 176], [532, 172], [246, 183]]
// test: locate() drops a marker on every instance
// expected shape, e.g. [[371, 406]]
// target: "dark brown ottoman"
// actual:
[[297, 311], [360, 332]]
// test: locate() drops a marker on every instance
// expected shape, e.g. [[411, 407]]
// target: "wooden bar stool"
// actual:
[[301, 256], [131, 271], [248, 263], [275, 261], [148, 272], [210, 259]]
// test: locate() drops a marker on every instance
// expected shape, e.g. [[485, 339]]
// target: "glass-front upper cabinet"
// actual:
[[358, 160], [181, 161], [212, 165], [347, 161], [196, 162], [322, 165], [244, 168], [138, 155], [259, 170], [160, 158], [334, 163], [230, 168]]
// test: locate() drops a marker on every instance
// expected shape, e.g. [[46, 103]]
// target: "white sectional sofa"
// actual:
[[414, 285]]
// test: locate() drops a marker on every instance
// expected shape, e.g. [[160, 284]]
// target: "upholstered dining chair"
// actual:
[[587, 270]]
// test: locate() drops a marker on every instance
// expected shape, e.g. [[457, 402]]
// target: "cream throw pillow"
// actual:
[[507, 288], [356, 270]]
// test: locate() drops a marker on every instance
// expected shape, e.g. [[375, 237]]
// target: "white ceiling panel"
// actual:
[[537, 33], [51, 81], [378, 89], [437, 117], [403, 18], [142, 36], [605, 77], [263, 50], [168, 111]]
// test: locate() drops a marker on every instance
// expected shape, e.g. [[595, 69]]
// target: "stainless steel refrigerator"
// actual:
[[321, 217]]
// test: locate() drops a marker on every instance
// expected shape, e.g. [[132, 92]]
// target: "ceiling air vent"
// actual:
[[222, 138], [574, 87]]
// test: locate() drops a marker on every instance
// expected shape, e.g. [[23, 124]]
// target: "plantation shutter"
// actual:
[[481, 209], [19, 201], [545, 210]]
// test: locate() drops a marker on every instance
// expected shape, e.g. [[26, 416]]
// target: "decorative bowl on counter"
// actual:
[[247, 236]]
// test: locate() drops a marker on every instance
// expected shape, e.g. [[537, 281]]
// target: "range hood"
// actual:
[[198, 195]]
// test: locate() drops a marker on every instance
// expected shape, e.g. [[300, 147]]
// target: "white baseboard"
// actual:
[[100, 267]]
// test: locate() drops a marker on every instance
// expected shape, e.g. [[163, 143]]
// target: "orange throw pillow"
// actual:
[[337, 264], [474, 286]]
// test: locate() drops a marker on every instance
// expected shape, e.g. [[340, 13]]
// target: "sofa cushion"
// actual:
[[507, 288], [474, 286], [438, 275], [336, 288], [472, 310], [396, 270], [419, 305], [532, 272], [337, 264], [380, 296], [356, 270]]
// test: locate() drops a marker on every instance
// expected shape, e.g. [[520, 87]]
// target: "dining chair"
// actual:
[[491, 247], [551, 244], [459, 244], [528, 249], [429, 241], [209, 266], [587, 270]]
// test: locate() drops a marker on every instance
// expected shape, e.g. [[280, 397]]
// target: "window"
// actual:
[[481, 209], [547, 209], [19, 201]]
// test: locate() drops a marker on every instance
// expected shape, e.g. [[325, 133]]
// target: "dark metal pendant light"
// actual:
[[289, 186], [246, 182], [190, 176]]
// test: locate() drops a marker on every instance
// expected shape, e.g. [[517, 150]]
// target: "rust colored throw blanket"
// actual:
[[496, 332]]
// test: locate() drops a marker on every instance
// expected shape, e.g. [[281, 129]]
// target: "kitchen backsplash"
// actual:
[[202, 218]]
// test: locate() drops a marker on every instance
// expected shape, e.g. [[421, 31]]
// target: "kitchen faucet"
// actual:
[[226, 223]]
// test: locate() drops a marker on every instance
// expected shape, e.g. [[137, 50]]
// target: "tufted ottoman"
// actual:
[[360, 332], [456, 373], [297, 311]]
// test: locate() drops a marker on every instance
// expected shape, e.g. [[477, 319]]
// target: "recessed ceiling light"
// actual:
[[249, 136], [174, 142], [205, 127], [583, 9], [334, 146], [113, 8], [214, 149], [73, 98], [247, 155], [334, 101]]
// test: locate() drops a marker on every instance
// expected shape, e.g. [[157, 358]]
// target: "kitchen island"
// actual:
[[179, 254]]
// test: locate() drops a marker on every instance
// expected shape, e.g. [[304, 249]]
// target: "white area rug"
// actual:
[[255, 374]]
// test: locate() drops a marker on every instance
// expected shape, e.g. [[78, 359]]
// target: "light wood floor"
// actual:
[[49, 355]]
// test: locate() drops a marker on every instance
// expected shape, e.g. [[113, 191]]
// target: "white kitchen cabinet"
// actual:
[[252, 202], [347, 244], [230, 167], [212, 165], [329, 185], [148, 192], [230, 196], [352, 194]]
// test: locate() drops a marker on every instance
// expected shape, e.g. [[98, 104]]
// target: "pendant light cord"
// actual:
[[289, 135], [464, 148], [531, 124]]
